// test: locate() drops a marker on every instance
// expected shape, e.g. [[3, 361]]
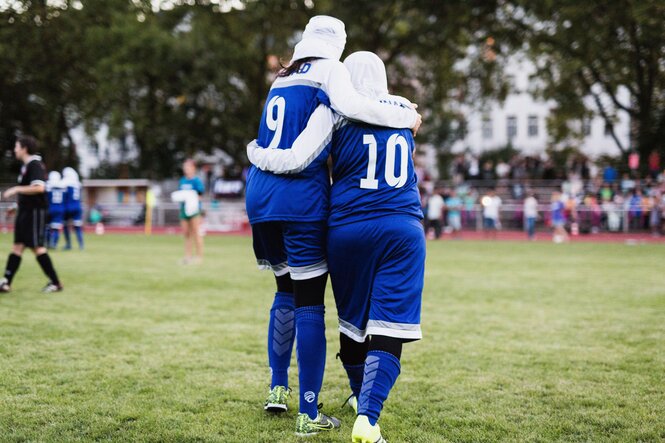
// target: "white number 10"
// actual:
[[275, 123], [370, 182]]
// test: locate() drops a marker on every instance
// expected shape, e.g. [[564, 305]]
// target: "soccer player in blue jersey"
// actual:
[[73, 209], [288, 213], [376, 243], [191, 221], [56, 207]]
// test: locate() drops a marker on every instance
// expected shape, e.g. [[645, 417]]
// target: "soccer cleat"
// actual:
[[352, 401], [305, 426], [364, 432], [51, 287], [4, 286], [276, 401]]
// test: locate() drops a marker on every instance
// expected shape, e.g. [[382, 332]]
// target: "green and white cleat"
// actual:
[[364, 432], [277, 398], [305, 426], [352, 401]]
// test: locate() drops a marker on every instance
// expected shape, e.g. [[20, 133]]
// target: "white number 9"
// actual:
[[275, 123]]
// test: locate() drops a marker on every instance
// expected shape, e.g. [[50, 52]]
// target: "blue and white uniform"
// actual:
[[288, 212], [73, 208], [56, 200], [376, 243]]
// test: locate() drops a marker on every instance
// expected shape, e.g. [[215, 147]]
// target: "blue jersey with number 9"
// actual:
[[373, 174], [296, 197]]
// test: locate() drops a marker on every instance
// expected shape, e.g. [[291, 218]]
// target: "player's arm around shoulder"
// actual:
[[306, 147]]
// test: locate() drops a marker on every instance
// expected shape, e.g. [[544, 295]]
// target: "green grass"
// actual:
[[523, 342]]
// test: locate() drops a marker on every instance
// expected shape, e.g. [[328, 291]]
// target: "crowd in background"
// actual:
[[582, 197]]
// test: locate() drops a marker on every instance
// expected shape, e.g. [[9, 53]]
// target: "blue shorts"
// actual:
[[56, 218], [489, 223], [377, 268], [76, 215], [298, 248]]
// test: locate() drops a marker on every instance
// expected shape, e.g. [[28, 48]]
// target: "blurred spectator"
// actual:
[[610, 174], [491, 210], [657, 213], [530, 214], [557, 208], [468, 211], [627, 184], [654, 164], [474, 167], [488, 171], [635, 209], [435, 205], [633, 162], [454, 207]]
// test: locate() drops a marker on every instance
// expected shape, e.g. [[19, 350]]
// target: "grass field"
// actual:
[[523, 342]]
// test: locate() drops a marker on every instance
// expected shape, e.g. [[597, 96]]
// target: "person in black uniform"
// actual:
[[30, 224]]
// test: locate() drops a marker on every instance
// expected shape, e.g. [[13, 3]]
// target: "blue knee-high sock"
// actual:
[[79, 235], [55, 236], [381, 371], [311, 354], [281, 334], [68, 240], [355, 374]]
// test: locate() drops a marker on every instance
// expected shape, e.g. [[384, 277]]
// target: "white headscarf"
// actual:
[[70, 177], [368, 75], [324, 37], [54, 180]]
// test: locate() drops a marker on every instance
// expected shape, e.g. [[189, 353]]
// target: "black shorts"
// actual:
[[30, 227]]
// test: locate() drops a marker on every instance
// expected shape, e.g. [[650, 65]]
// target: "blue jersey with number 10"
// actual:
[[373, 174], [297, 197]]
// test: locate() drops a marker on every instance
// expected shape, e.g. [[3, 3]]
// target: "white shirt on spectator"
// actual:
[[435, 207], [491, 207], [530, 207]]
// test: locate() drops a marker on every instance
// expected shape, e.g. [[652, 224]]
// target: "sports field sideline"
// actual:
[[523, 342]]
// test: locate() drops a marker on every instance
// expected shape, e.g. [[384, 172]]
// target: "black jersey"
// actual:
[[33, 172]]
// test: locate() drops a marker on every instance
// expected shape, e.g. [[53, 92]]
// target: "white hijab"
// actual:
[[324, 37]]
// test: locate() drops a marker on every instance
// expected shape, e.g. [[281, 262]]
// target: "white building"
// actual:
[[522, 120]]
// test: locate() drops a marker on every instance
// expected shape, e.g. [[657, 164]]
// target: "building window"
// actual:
[[511, 127], [586, 127], [487, 127], [533, 126]]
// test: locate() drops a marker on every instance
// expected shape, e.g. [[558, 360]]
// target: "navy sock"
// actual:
[[381, 371], [68, 240], [281, 334], [13, 262], [355, 374], [311, 354], [79, 235]]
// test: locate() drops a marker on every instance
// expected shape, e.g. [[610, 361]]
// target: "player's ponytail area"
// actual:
[[521, 342]]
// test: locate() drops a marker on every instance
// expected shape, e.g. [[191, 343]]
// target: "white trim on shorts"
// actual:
[[309, 271], [351, 331], [278, 269], [396, 330], [379, 327]]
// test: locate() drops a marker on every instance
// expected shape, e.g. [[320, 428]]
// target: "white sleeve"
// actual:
[[348, 102], [306, 148]]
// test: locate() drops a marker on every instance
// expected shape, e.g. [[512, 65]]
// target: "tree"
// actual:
[[593, 49]]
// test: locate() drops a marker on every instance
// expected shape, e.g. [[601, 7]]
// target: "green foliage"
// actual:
[[194, 78], [522, 342], [596, 48]]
